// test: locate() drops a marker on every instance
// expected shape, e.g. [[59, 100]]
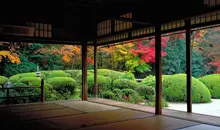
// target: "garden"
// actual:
[[126, 71]]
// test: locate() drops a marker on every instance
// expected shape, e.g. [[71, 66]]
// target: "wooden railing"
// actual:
[[8, 97]]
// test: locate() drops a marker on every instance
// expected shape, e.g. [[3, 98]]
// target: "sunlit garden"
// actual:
[[126, 71]]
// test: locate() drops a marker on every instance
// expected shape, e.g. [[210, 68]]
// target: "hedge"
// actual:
[[73, 73], [131, 96], [58, 73], [108, 95], [125, 83], [29, 80], [174, 89], [212, 82], [65, 86], [3, 80], [118, 94], [110, 73], [127, 75], [17, 77], [146, 91], [151, 80], [78, 77], [104, 83]]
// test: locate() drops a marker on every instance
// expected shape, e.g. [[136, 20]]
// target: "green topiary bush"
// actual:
[[118, 94], [146, 91], [127, 75], [104, 83], [19, 85], [78, 77], [212, 82], [131, 96], [3, 80], [110, 73], [125, 83], [17, 77], [65, 86], [128, 92], [153, 102], [108, 94], [174, 89], [30, 80], [151, 80], [57, 73], [46, 73], [73, 73]]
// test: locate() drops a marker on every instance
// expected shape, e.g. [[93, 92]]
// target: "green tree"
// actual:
[[175, 60]]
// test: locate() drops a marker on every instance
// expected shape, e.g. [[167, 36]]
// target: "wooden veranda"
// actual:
[[103, 22]]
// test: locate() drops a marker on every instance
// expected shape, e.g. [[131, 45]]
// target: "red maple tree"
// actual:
[[147, 52]]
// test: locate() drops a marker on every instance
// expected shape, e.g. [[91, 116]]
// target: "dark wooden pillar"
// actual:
[[158, 110], [188, 66], [42, 91], [95, 72], [84, 72]]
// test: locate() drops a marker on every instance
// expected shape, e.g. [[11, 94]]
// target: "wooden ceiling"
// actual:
[[76, 20]]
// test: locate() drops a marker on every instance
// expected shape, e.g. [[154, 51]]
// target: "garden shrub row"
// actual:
[[120, 86], [174, 88], [212, 82]]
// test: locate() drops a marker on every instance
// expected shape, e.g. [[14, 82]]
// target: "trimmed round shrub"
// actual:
[[30, 80], [46, 73], [73, 73], [19, 85], [153, 102], [118, 94], [174, 89], [17, 77], [151, 80], [37, 92], [3, 80], [109, 73], [127, 75], [212, 82], [125, 83], [79, 77], [63, 85], [128, 92], [117, 91], [146, 91], [108, 94], [131, 96], [77, 94], [104, 83], [57, 73]]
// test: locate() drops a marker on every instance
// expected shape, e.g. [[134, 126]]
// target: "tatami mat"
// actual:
[[87, 106], [97, 118], [32, 125], [150, 123], [201, 127], [28, 108], [46, 114]]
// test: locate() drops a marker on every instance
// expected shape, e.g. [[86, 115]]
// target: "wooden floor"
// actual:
[[83, 115]]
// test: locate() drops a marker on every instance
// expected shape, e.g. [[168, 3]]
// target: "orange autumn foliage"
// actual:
[[14, 58], [69, 53]]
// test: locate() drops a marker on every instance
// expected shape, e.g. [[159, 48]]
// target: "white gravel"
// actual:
[[212, 108]]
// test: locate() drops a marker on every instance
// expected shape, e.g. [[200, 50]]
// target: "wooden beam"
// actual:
[[84, 72], [95, 73], [129, 20], [188, 66], [158, 110]]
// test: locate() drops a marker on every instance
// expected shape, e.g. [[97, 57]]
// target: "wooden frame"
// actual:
[[158, 109], [188, 66], [84, 73]]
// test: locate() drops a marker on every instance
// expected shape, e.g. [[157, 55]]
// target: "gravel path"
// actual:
[[212, 108]]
